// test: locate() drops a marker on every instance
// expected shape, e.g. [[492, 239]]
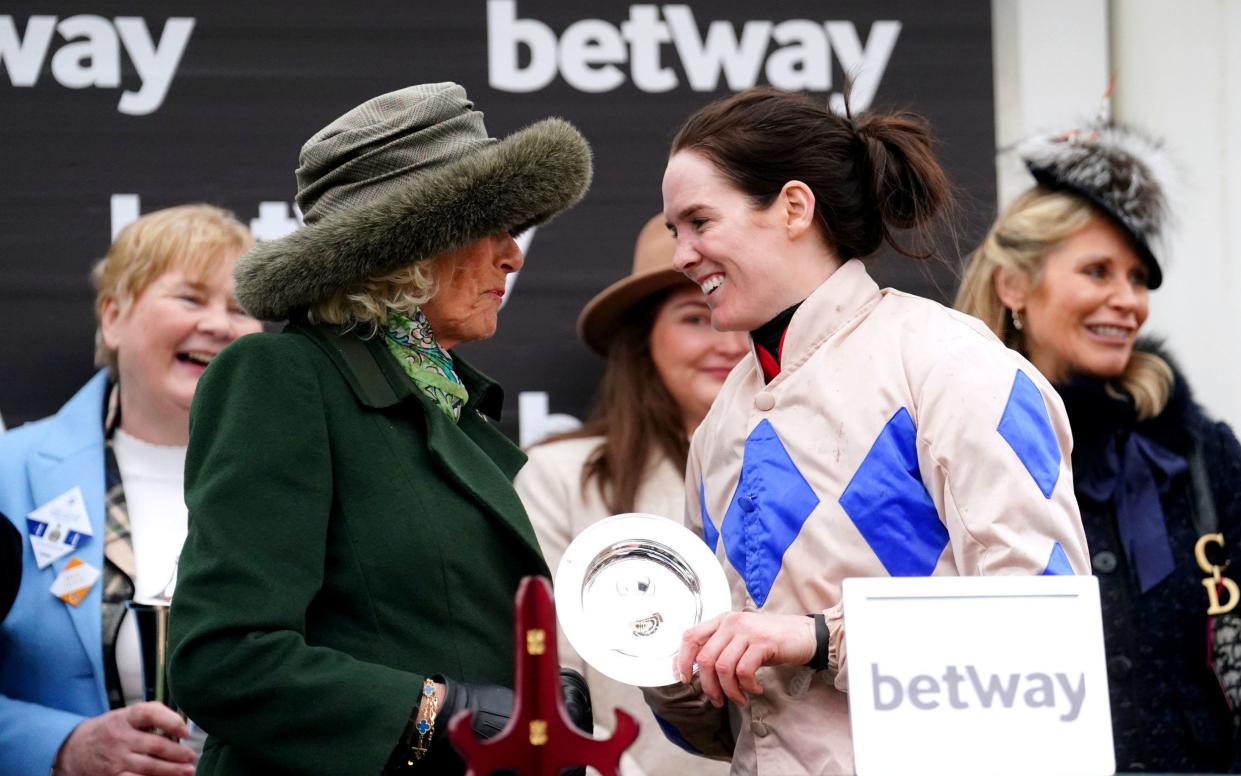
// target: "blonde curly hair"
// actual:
[[369, 304]]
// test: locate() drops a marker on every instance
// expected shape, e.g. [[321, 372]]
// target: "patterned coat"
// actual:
[[901, 438], [1168, 713]]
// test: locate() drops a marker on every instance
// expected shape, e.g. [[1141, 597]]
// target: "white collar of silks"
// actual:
[[56, 529]]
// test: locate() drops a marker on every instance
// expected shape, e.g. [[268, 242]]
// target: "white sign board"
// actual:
[[977, 675]]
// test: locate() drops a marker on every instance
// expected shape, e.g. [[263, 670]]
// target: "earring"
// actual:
[[1017, 324]]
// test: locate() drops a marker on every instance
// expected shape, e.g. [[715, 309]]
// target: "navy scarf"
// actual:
[[1128, 470]]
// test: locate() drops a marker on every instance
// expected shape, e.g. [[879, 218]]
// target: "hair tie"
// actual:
[[865, 160]]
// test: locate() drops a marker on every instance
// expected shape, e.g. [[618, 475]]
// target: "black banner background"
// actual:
[[256, 80]]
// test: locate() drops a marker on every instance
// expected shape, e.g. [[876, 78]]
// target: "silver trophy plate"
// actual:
[[628, 587]]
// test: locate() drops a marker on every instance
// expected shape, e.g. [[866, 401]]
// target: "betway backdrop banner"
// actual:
[[113, 109]]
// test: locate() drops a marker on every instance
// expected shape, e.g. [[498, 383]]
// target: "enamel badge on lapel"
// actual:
[[75, 581], [1217, 580], [58, 527]]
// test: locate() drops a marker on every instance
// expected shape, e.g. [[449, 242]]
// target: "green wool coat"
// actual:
[[346, 540]]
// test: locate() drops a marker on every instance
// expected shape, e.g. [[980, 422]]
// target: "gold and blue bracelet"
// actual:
[[428, 708]]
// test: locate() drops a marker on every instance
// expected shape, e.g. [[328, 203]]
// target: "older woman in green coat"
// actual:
[[355, 542]]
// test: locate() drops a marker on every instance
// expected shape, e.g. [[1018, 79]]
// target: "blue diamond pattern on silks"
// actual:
[[1058, 563], [710, 534], [890, 506], [766, 512], [1027, 429]]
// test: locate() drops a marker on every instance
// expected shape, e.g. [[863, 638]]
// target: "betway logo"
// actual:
[[967, 687], [590, 53], [91, 55]]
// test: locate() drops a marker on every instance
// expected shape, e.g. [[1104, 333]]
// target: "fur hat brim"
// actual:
[[518, 182]]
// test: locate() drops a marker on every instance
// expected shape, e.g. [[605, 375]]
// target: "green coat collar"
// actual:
[[379, 382]]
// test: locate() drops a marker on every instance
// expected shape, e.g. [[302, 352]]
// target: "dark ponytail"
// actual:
[[870, 175], [909, 186]]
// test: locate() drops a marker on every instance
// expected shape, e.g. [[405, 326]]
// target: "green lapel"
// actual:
[[472, 452]]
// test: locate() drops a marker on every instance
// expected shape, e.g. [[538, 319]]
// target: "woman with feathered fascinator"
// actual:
[[1063, 276]]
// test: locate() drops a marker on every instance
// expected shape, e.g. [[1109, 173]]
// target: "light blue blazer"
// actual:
[[51, 653]]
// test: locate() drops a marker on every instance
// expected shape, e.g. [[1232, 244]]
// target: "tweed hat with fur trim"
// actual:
[[1120, 171], [405, 177]]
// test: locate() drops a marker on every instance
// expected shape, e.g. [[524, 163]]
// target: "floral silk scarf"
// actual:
[[412, 342]]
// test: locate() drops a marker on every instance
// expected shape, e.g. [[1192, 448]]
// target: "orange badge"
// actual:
[[74, 581]]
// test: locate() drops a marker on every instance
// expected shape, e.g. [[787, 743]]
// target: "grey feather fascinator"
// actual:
[[1120, 171]]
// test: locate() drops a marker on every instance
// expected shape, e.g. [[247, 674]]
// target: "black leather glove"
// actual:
[[577, 700], [490, 707], [577, 703]]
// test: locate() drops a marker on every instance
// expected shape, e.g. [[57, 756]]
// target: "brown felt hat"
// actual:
[[652, 272]]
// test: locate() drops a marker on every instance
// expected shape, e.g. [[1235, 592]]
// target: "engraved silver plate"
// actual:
[[628, 587]]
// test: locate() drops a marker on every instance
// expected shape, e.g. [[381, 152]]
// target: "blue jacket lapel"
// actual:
[[71, 455]]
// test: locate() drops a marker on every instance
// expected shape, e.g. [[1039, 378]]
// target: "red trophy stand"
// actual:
[[539, 739]]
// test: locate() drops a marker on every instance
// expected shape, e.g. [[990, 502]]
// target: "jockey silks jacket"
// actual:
[[900, 438]]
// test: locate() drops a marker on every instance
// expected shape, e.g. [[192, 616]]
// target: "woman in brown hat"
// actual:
[[355, 541], [665, 364]]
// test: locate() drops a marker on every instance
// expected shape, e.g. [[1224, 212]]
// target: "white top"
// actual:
[[154, 479]]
